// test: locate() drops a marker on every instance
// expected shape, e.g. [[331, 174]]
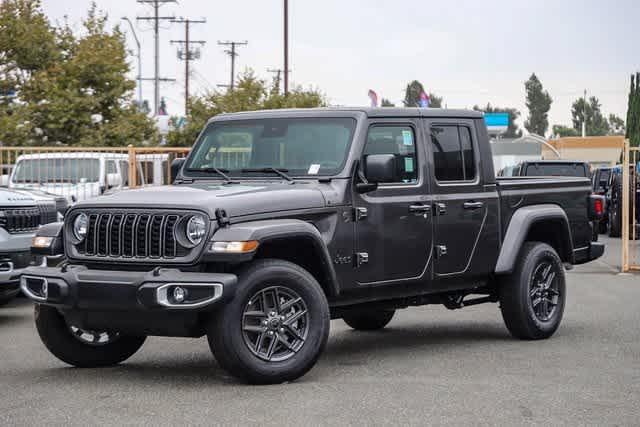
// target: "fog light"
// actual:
[[179, 294], [41, 242]]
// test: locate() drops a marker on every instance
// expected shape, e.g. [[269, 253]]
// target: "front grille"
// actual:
[[20, 220], [132, 235], [48, 211]]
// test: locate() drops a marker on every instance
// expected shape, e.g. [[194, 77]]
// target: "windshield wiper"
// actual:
[[222, 172], [277, 171]]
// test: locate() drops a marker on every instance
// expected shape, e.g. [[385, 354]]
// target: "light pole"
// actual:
[[135, 36]]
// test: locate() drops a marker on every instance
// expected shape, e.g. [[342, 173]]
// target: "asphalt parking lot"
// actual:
[[430, 366]]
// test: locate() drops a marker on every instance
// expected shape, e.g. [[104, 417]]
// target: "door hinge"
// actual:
[[441, 250], [361, 258], [359, 214]]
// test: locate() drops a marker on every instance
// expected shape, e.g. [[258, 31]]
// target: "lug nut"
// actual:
[[264, 323], [282, 330]]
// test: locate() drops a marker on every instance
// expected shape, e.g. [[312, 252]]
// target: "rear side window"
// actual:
[[556, 169], [453, 155]]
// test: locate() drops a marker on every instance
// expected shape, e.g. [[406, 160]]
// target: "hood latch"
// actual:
[[223, 219]]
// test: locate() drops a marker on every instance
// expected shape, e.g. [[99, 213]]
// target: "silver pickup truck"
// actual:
[[20, 217]]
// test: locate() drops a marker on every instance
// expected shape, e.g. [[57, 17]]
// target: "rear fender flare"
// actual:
[[521, 222]]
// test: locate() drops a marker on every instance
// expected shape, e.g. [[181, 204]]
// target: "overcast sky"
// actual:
[[469, 52]]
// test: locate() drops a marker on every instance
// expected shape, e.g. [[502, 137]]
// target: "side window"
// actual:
[[124, 171], [453, 156], [399, 141], [111, 167]]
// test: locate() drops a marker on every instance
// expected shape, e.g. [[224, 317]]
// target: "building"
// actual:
[[597, 150]]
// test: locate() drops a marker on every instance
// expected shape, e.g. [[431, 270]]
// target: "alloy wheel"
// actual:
[[275, 323], [93, 338], [543, 291]]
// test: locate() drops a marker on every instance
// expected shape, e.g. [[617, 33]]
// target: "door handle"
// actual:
[[421, 209], [473, 205]]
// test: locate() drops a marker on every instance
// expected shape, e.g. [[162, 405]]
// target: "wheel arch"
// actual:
[[292, 240], [538, 223]]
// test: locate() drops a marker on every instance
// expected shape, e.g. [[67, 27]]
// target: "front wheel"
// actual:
[[532, 298], [276, 326], [79, 347]]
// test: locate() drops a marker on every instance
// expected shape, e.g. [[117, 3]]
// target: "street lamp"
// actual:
[[135, 36]]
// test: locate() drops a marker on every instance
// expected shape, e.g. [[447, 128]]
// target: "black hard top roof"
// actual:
[[390, 112]]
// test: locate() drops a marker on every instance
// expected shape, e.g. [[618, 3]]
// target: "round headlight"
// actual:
[[80, 225], [196, 229]]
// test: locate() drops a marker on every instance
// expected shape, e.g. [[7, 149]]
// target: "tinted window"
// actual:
[[399, 141], [453, 156], [556, 169]]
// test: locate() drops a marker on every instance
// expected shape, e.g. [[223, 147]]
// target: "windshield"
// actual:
[[57, 170], [300, 147], [556, 169]]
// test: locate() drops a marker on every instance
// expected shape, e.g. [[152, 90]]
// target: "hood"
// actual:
[[11, 199], [237, 199]]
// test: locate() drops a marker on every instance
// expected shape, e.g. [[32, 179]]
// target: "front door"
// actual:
[[394, 233]]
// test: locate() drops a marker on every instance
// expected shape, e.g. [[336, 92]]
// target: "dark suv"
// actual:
[[279, 221]]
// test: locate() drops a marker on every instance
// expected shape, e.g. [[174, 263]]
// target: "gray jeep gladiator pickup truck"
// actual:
[[279, 221]]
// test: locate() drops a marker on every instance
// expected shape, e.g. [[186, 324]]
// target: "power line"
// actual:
[[156, 18], [187, 54], [233, 54]]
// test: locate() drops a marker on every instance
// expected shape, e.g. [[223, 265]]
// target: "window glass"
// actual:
[[124, 170], [467, 153], [111, 167], [399, 141], [301, 147], [72, 171], [447, 156], [556, 169]]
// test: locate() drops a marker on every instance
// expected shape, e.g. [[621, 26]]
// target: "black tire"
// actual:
[[235, 350], [5, 301], [369, 321], [57, 336], [615, 209], [602, 226], [519, 310]]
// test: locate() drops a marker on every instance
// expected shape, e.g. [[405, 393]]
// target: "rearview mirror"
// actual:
[[176, 166]]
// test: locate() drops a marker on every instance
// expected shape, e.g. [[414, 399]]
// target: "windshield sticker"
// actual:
[[408, 164], [313, 169], [407, 137]]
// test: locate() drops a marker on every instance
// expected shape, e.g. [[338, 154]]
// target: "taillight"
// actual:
[[596, 207]]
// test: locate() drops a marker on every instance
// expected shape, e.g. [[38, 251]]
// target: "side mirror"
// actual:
[[114, 180], [176, 166], [379, 168]]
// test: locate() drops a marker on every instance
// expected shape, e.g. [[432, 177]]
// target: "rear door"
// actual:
[[465, 209]]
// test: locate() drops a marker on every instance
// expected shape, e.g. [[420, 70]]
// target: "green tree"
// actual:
[[561, 131], [633, 112], [591, 111], [386, 103], [513, 131], [616, 125], [538, 103], [83, 97], [251, 93], [412, 96]]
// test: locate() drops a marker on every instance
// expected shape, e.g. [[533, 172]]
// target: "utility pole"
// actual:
[[135, 37], [187, 54], [278, 72], [584, 116], [286, 47], [156, 18], [233, 54]]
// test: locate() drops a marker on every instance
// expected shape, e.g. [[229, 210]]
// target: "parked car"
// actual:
[[20, 217], [74, 175], [614, 199], [600, 179], [333, 213]]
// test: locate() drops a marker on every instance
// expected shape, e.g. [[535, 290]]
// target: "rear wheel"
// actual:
[[532, 298], [276, 326], [369, 321], [79, 347]]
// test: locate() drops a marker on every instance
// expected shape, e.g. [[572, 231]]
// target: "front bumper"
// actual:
[[81, 289]]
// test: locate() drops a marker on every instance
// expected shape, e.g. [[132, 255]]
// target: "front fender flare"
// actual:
[[264, 231], [521, 222]]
